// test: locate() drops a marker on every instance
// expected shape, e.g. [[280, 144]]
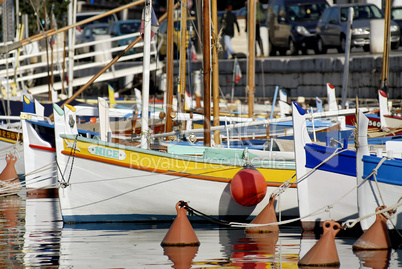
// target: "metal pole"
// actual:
[[145, 75], [346, 65]]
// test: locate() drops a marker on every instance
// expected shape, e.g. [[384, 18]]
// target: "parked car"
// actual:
[[396, 16], [88, 34], [120, 28], [190, 35], [292, 25], [332, 27], [86, 15]]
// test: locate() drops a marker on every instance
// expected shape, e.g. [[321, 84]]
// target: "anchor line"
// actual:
[[63, 182], [281, 189], [193, 212]]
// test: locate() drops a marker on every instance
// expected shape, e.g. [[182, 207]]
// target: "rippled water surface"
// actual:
[[32, 235]]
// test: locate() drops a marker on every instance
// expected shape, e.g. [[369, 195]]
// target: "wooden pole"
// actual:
[[51, 32], [169, 66], [251, 57], [215, 71], [183, 40], [113, 61], [385, 56], [207, 73]]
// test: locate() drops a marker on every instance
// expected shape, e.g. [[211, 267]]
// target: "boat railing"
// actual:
[[33, 64]]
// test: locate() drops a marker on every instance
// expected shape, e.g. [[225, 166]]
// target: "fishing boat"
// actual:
[[326, 176], [101, 181], [378, 179], [388, 124], [114, 182]]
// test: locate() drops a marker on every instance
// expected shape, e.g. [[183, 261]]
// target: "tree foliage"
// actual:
[[39, 14]]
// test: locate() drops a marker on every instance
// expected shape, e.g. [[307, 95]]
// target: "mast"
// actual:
[[169, 66], [183, 40], [215, 71], [251, 57], [145, 74], [207, 73], [387, 22]]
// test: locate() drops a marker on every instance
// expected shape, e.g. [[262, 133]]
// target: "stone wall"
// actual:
[[308, 76]]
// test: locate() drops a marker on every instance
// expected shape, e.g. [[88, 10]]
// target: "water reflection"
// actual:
[[43, 226], [376, 259], [10, 231], [32, 235]]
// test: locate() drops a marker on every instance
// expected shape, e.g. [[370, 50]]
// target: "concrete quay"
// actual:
[[307, 76]]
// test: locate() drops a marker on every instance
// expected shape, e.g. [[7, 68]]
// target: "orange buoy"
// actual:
[[377, 236], [248, 186], [9, 182], [181, 257], [267, 215], [181, 232], [324, 252]]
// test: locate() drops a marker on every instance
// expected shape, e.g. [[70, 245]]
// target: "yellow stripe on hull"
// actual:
[[169, 165]]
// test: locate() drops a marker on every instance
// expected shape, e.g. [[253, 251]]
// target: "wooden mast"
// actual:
[[215, 71], [207, 73], [385, 56], [169, 66], [51, 32], [113, 61], [251, 57], [183, 40]]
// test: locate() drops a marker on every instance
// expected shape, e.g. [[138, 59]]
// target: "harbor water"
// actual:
[[32, 235]]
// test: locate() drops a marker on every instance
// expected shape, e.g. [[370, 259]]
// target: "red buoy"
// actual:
[[248, 186]]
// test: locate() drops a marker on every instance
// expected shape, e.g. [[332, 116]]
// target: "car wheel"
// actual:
[[395, 45], [272, 49], [292, 47], [282, 51], [366, 48], [320, 47], [342, 45]]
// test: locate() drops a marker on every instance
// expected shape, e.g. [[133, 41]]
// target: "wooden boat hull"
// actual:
[[11, 142], [387, 190], [112, 182], [322, 193]]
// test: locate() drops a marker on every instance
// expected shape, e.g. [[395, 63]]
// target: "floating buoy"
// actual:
[[181, 232], [376, 237], [181, 257], [248, 186], [324, 252], [9, 182], [267, 215]]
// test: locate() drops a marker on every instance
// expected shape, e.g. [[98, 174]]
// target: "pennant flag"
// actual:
[[237, 72], [112, 100], [318, 102], [28, 105], [154, 23]]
